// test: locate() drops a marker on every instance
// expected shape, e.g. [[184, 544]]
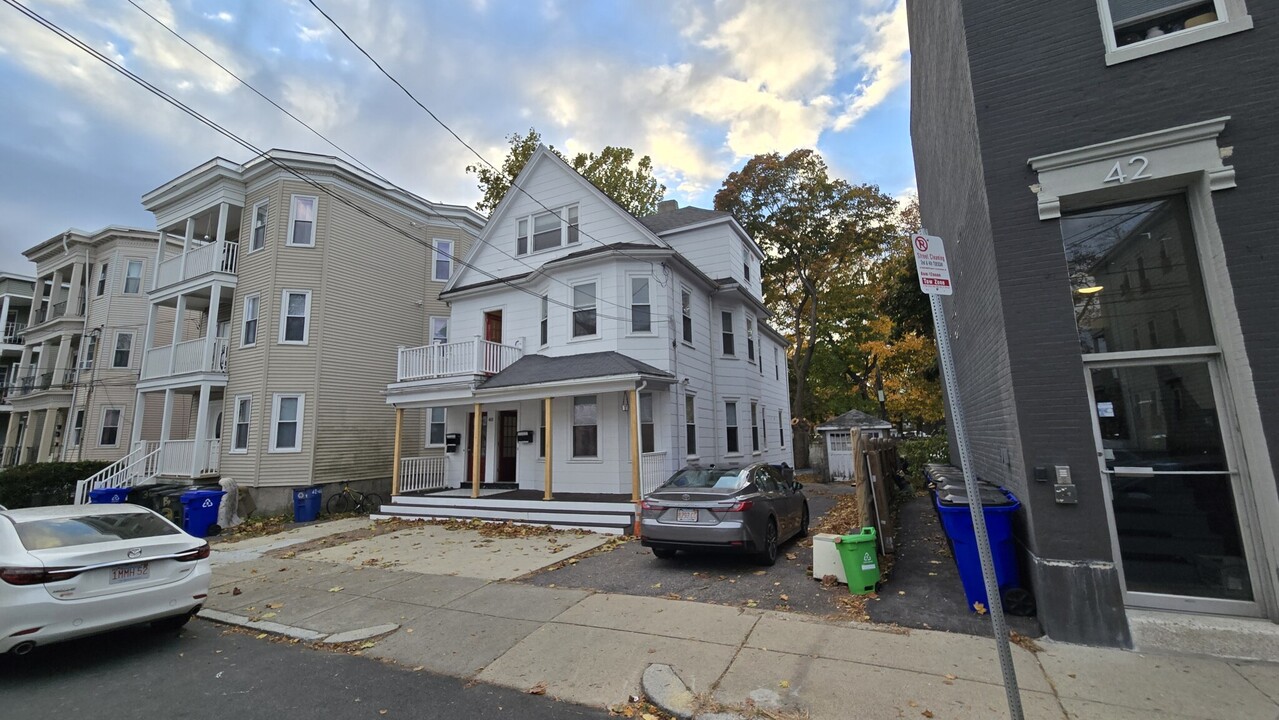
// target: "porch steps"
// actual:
[[612, 518]]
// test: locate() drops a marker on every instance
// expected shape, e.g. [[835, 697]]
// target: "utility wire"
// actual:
[[74, 40]]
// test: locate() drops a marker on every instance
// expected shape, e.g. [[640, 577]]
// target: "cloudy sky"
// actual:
[[698, 86]]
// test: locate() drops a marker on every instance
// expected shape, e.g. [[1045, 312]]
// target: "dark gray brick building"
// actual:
[[1106, 178]]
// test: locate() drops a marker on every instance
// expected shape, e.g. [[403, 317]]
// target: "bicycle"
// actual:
[[348, 500]]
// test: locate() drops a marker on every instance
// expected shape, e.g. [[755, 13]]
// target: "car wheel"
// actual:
[[172, 623], [768, 556], [803, 524], [664, 553]]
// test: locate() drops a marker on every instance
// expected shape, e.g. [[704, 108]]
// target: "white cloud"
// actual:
[[222, 16], [781, 47], [885, 55], [313, 34]]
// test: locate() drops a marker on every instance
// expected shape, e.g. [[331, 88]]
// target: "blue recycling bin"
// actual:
[[200, 512], [306, 504], [957, 519], [109, 495]]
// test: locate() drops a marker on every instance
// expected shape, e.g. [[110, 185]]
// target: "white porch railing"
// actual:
[[186, 356], [213, 257], [466, 357], [653, 471], [136, 468], [175, 457], [421, 473]]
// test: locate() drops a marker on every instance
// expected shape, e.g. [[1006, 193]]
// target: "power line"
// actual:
[[71, 38]]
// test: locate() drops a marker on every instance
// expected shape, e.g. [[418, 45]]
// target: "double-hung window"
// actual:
[[286, 423], [641, 309], [746, 263], [750, 339], [1135, 28], [77, 429], [545, 325], [439, 330], [243, 417], [777, 364], [754, 427], [90, 353], [302, 221], [646, 425], [781, 430], [258, 240], [295, 317], [585, 427], [686, 307], [109, 436], [726, 322], [442, 260], [133, 277], [249, 329], [690, 425], [435, 426], [730, 427], [584, 310], [552, 229], [123, 351], [102, 278]]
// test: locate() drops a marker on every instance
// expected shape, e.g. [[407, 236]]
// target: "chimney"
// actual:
[[667, 206]]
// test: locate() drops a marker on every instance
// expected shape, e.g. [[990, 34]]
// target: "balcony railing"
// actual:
[[421, 473], [186, 357], [217, 256], [13, 332], [177, 458], [57, 310], [468, 357]]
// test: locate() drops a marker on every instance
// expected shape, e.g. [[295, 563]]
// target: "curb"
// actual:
[[297, 633], [664, 688]]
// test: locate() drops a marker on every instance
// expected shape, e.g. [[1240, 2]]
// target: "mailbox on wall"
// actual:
[[524, 436], [451, 441]]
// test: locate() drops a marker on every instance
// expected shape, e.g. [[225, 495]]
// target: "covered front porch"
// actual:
[[545, 441]]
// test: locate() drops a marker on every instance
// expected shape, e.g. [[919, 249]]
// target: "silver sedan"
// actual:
[[75, 570], [751, 510]]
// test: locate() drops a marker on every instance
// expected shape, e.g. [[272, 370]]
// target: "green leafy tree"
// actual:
[[821, 237], [629, 182]]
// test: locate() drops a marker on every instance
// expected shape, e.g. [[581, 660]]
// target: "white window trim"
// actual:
[[757, 447], [142, 273], [692, 326], [115, 344], [573, 284], [77, 426], [544, 320], [104, 286], [275, 419], [564, 225], [436, 256], [732, 330], [315, 224], [572, 425], [697, 431], [236, 423], [284, 317], [752, 347], [1232, 17], [266, 224], [102, 424], [737, 425], [431, 323], [244, 309], [427, 440], [630, 305]]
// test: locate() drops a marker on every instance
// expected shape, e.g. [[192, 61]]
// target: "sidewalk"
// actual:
[[593, 648]]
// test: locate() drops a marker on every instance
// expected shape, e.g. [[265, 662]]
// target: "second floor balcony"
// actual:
[[454, 359], [214, 257], [13, 332], [185, 357], [33, 379]]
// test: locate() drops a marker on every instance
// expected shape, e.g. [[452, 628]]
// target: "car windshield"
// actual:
[[47, 533], [701, 479]]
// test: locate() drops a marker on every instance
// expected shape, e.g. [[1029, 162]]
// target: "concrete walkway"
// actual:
[[593, 648]]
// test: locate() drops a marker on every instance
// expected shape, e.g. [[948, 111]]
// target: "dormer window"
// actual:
[[549, 230], [746, 262]]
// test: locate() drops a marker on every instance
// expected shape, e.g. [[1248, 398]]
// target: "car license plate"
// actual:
[[129, 573], [685, 516]]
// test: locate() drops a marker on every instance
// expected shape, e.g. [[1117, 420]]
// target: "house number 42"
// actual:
[[1139, 162]]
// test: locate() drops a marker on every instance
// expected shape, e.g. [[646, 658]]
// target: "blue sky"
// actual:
[[698, 86]]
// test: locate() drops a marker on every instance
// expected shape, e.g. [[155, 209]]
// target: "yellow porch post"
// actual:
[[547, 494], [395, 468], [635, 450], [476, 426]]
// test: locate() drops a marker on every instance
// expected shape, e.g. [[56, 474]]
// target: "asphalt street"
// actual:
[[209, 672]]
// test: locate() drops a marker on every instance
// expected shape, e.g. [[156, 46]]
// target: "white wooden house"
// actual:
[[587, 355]]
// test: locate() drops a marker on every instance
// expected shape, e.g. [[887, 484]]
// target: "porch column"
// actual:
[[55, 291], [166, 420], [395, 455], [60, 364], [547, 494], [77, 289], [477, 425], [201, 429], [635, 453], [160, 249], [11, 437], [178, 316], [223, 210], [186, 248], [135, 433], [46, 435], [211, 332], [33, 316], [4, 316]]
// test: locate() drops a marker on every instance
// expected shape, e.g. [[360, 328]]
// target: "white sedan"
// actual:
[[75, 570]]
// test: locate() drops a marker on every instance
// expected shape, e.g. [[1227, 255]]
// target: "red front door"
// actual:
[[493, 326]]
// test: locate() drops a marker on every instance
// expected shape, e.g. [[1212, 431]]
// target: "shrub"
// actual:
[[51, 483], [919, 451]]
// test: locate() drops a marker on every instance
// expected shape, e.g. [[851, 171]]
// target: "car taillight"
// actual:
[[199, 553], [646, 505], [35, 576], [741, 506]]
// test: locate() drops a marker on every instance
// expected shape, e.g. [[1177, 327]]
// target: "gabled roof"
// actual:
[[854, 419], [660, 222], [540, 369]]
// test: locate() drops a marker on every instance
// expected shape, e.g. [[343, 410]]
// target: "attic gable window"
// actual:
[[547, 230]]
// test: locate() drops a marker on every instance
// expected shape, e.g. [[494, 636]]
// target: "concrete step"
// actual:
[[610, 518], [1214, 635]]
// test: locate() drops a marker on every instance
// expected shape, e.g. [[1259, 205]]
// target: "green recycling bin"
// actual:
[[860, 556]]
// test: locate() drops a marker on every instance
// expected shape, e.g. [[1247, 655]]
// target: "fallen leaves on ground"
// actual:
[[1024, 642], [841, 520], [538, 689], [979, 608]]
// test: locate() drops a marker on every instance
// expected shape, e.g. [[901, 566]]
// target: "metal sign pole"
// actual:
[[996, 609]]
